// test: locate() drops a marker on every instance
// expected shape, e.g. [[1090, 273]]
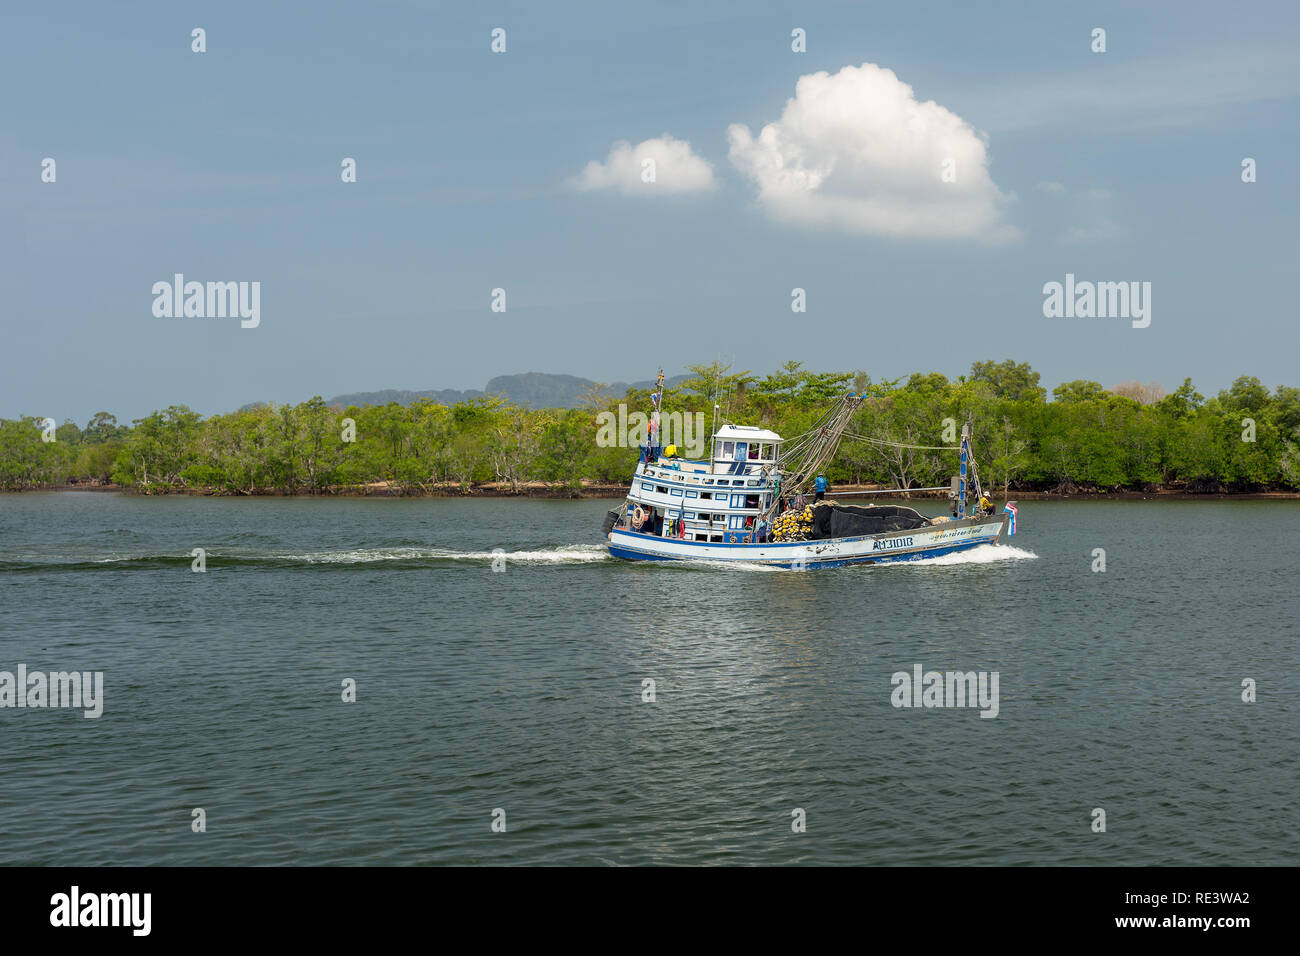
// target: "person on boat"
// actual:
[[986, 504], [819, 488]]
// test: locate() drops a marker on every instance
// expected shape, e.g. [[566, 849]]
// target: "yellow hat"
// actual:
[[671, 451]]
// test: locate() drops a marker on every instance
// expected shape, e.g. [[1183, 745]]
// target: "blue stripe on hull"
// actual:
[[810, 564]]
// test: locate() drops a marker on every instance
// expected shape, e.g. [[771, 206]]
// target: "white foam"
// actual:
[[727, 565], [982, 554], [564, 554]]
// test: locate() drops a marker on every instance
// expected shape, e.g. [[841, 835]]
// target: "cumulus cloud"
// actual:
[[857, 150], [668, 163]]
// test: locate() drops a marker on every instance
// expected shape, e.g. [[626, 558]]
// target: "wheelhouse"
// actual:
[[717, 500]]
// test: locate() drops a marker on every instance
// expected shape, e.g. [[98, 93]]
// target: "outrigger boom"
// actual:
[[748, 503]]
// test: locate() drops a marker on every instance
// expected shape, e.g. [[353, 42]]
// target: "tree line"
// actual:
[[1085, 437]]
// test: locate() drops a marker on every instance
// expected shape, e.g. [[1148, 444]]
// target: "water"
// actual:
[[521, 690]]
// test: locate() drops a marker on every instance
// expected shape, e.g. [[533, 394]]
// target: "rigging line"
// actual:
[[898, 444]]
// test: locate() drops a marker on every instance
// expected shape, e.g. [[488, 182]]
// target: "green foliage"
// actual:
[[1078, 391], [1245, 438], [26, 461], [1011, 380]]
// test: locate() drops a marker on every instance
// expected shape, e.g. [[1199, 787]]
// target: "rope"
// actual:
[[899, 444], [806, 454]]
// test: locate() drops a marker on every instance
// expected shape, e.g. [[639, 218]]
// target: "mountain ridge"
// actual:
[[526, 389]]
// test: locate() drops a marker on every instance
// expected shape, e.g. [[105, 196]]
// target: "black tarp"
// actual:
[[844, 521]]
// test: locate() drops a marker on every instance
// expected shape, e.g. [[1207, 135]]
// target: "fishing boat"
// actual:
[[750, 502]]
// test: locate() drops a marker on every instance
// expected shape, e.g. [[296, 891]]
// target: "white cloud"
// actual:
[[675, 169], [858, 151], [1048, 186]]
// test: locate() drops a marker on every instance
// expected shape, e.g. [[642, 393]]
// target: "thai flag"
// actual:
[[1011, 526]]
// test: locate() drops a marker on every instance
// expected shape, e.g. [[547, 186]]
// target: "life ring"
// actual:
[[638, 516]]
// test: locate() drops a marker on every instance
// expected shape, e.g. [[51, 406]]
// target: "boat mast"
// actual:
[[961, 484], [656, 400]]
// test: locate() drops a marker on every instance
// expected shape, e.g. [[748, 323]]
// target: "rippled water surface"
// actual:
[[522, 690]]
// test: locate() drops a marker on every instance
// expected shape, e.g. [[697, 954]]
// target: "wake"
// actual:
[[562, 554], [983, 554]]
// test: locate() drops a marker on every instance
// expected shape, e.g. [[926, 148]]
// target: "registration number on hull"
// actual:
[[891, 544]]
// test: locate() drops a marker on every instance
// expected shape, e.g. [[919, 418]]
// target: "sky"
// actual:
[[921, 171]]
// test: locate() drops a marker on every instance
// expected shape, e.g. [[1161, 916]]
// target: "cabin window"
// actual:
[[677, 492], [751, 501], [646, 486], [727, 448], [753, 452], [693, 494], [740, 450], [662, 489]]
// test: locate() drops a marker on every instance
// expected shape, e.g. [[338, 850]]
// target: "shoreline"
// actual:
[[605, 491]]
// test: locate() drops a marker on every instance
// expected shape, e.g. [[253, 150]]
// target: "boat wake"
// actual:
[[423, 557], [722, 565], [983, 554], [563, 554], [219, 557]]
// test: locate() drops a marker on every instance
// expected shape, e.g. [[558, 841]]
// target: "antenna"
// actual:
[[713, 440]]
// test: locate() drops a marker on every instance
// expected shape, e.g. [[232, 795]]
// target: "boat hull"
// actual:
[[929, 542]]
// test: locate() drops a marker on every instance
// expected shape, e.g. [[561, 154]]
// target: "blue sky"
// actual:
[[224, 165]]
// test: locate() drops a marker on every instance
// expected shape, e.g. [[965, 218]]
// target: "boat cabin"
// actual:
[[718, 500], [739, 446]]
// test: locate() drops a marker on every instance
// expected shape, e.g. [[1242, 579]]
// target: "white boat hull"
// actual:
[[928, 542]]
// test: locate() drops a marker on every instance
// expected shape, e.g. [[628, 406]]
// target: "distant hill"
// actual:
[[528, 389], [404, 396]]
